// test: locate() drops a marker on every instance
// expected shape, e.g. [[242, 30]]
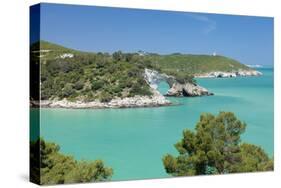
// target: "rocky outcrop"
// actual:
[[187, 90], [153, 78], [176, 89], [219, 74]]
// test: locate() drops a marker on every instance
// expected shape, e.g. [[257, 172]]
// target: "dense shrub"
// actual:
[[79, 85]]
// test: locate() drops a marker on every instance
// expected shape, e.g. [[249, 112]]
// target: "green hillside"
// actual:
[[88, 76], [195, 64], [72, 74], [44, 45]]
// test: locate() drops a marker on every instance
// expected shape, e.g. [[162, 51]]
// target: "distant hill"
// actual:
[[196, 64], [73, 74]]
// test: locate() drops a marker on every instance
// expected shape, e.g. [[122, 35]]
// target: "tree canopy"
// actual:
[[93, 76], [49, 166], [215, 148]]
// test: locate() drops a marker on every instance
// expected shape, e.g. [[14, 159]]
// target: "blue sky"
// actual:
[[245, 38]]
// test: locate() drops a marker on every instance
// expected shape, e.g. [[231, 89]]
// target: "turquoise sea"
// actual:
[[133, 141]]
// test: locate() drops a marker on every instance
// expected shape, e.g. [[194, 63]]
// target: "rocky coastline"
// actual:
[[129, 102], [132, 102], [220, 74]]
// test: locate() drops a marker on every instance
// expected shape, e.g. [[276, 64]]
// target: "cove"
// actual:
[[133, 141]]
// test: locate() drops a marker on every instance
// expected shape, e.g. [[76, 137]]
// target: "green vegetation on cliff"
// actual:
[[90, 76], [49, 166], [215, 148], [76, 75]]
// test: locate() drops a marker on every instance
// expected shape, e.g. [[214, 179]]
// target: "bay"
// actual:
[[133, 141]]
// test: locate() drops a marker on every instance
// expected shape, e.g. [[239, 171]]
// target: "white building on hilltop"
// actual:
[[66, 55]]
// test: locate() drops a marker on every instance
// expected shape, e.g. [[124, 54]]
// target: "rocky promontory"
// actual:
[[152, 77]]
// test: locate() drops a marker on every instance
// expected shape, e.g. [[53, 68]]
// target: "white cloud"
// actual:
[[211, 24]]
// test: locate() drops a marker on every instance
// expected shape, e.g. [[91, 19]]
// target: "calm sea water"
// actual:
[[133, 141]]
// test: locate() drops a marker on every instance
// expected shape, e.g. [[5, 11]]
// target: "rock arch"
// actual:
[[153, 78]]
